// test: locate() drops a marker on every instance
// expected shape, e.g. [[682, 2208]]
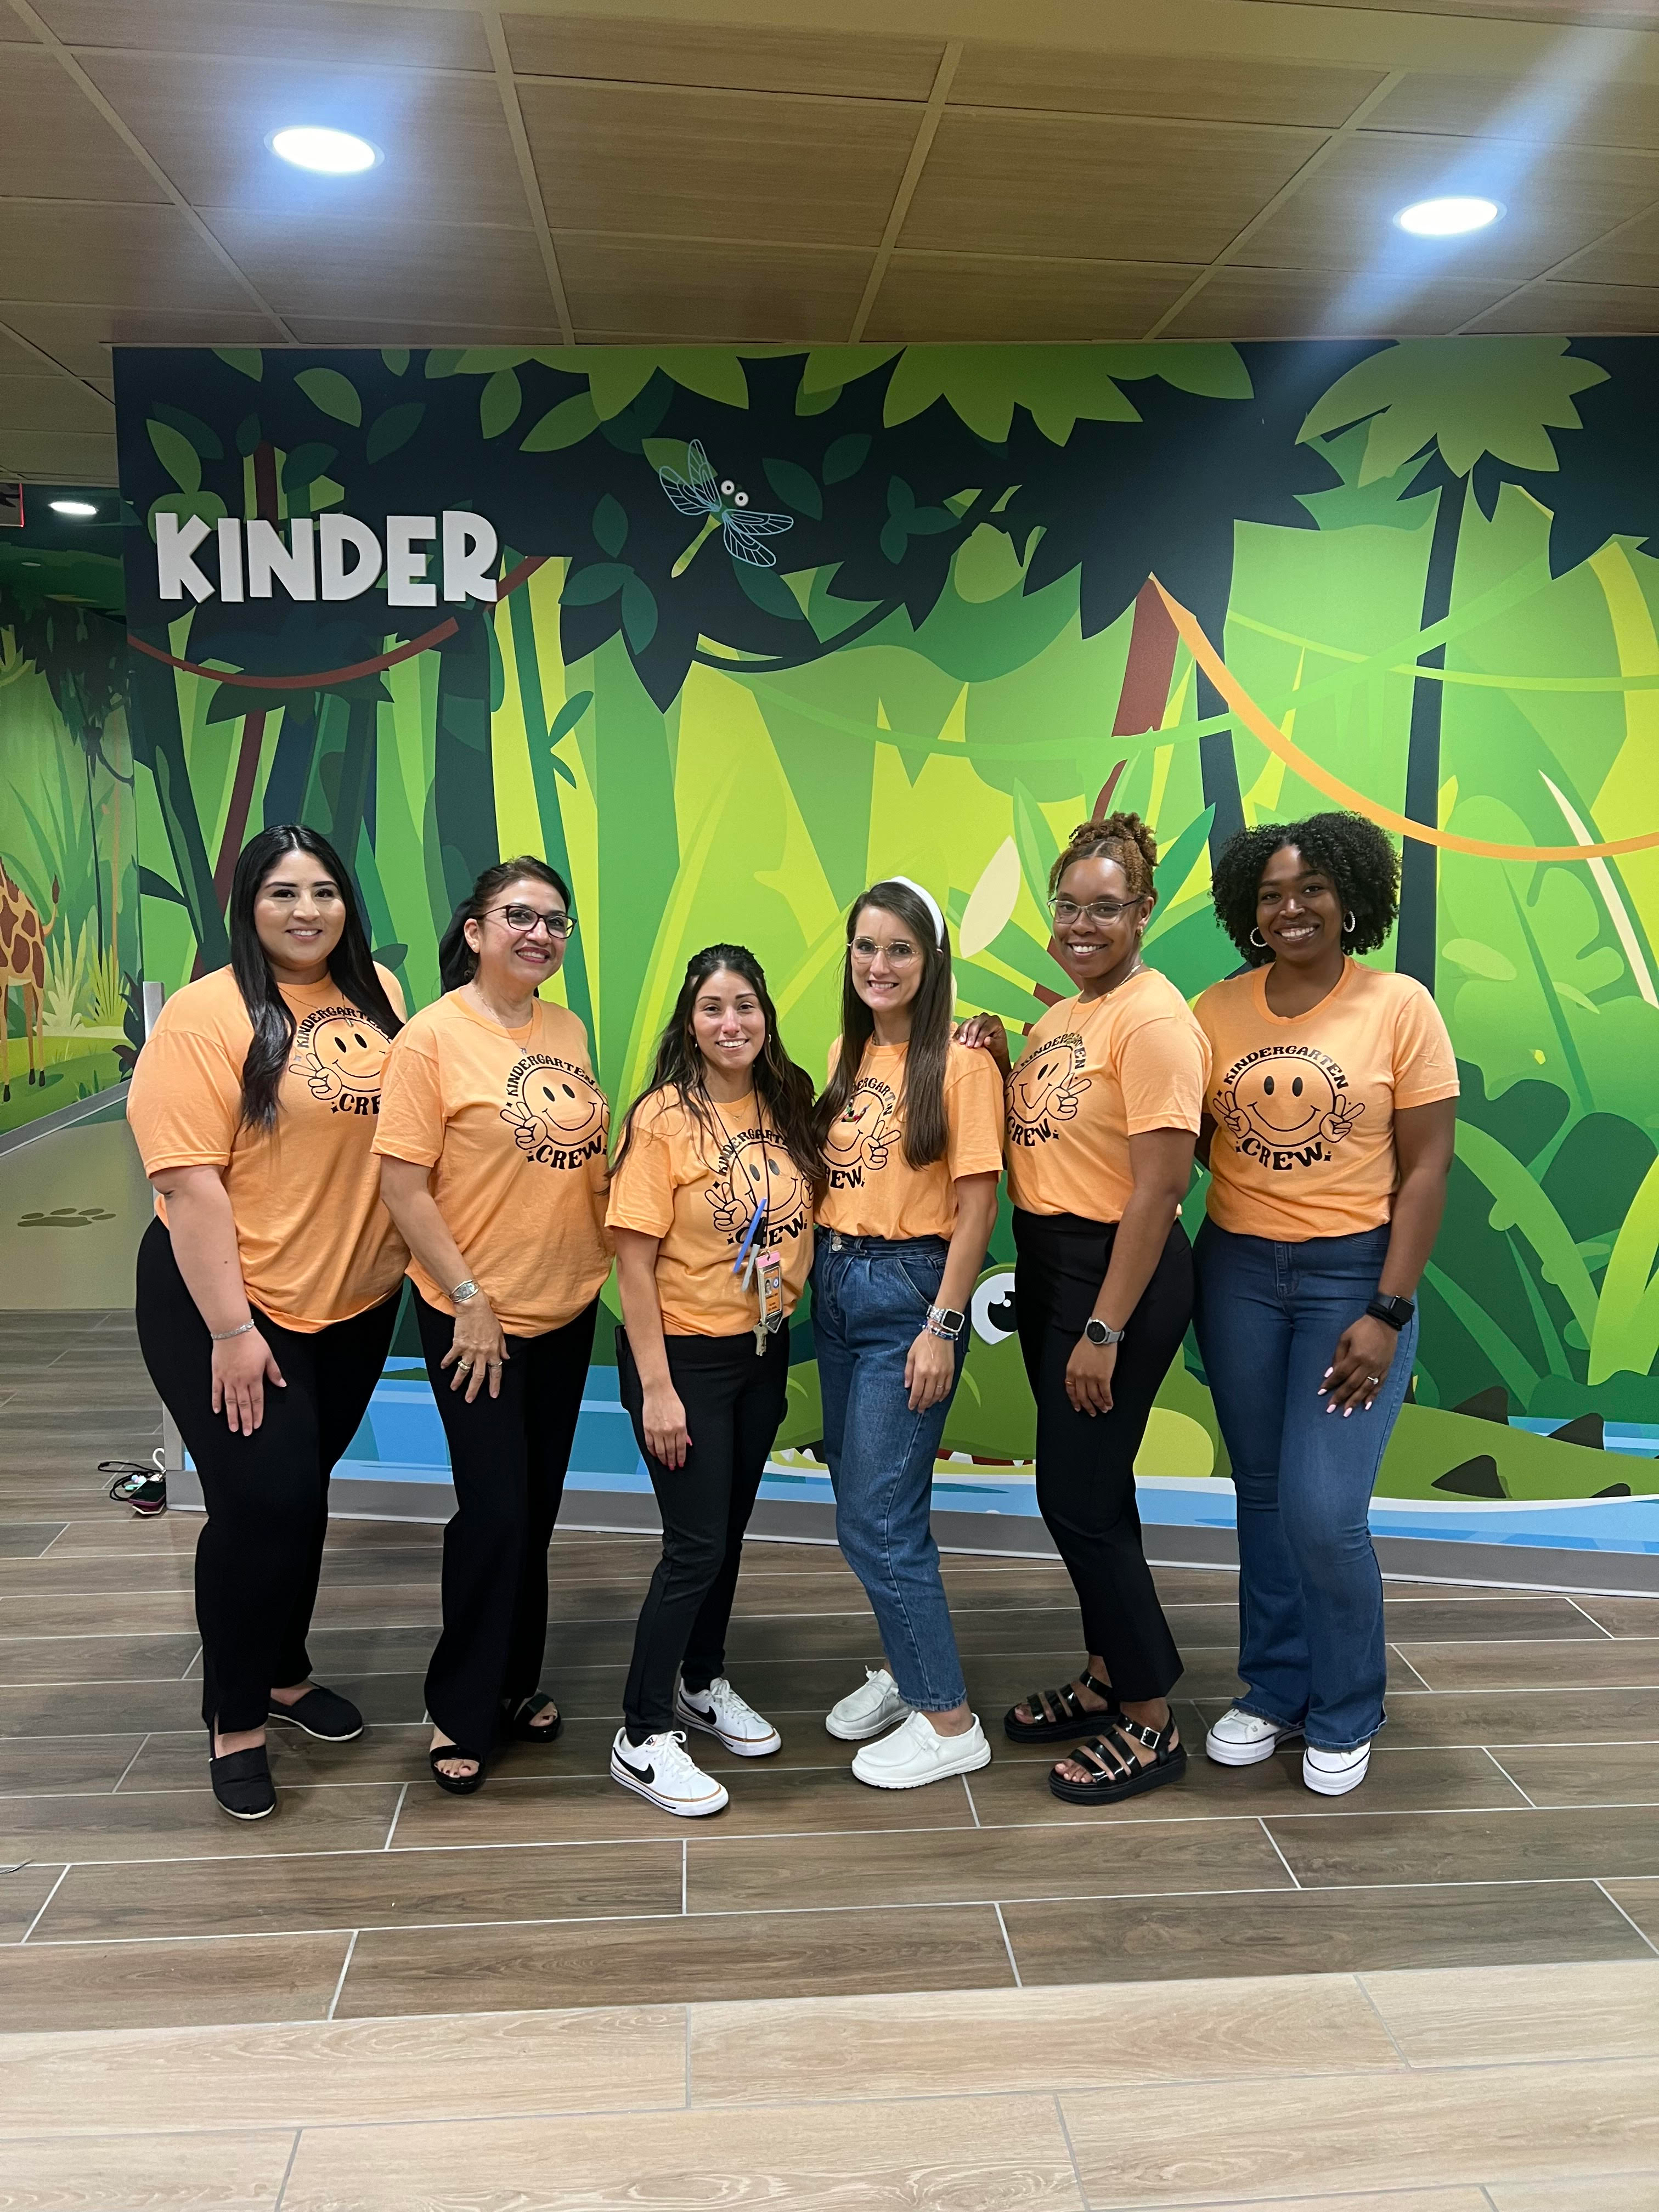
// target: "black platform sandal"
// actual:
[[1068, 1712], [1115, 1771], [458, 1785], [241, 1782], [518, 1724]]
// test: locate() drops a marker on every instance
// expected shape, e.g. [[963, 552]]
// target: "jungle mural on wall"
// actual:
[[772, 621]]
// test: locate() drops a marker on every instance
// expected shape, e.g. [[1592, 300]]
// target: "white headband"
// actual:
[[932, 905]]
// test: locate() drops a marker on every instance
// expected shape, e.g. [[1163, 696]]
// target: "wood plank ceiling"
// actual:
[[708, 170]]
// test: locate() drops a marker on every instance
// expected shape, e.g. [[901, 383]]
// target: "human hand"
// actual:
[[1089, 1376], [663, 1420], [1364, 1355], [242, 1366], [985, 1033], [478, 1349], [930, 1370]]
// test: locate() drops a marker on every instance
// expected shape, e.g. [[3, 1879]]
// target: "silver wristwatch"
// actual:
[[945, 1320], [463, 1293], [1101, 1331]]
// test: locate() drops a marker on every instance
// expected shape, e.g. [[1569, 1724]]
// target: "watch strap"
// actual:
[[1395, 1311]]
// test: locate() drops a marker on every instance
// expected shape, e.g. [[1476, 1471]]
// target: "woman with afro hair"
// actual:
[[1328, 1129]]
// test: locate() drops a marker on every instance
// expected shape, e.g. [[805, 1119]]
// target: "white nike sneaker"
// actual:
[[1241, 1739], [662, 1770], [719, 1710], [864, 1713], [916, 1752], [1333, 1773]]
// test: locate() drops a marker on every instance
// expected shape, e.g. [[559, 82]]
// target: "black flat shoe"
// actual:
[[1068, 1712], [518, 1724], [322, 1713], [458, 1785], [241, 1782]]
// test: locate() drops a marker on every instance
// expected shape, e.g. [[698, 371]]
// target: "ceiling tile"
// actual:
[[55, 145], [116, 257], [768, 166], [1587, 113], [81, 336], [342, 266], [1343, 218], [277, 30], [57, 457], [448, 153], [45, 402], [1230, 91], [1305, 303], [349, 330], [712, 292], [1118, 189], [1631, 258], [956, 298], [755, 58], [1578, 310]]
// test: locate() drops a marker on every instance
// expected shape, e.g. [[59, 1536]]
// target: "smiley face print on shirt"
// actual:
[[1286, 1106], [558, 1114], [754, 1167], [339, 1053], [1044, 1088], [862, 1134]]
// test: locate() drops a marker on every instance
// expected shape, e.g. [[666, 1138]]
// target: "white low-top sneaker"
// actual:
[[916, 1752], [1333, 1773], [864, 1713], [662, 1770], [1241, 1739], [719, 1710]]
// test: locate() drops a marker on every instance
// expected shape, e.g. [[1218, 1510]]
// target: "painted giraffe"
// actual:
[[22, 961]]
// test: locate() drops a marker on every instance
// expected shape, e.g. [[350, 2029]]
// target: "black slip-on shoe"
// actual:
[[322, 1713]]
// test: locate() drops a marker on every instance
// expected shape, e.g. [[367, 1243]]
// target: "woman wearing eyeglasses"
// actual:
[[911, 1130], [1104, 1107], [493, 1142]]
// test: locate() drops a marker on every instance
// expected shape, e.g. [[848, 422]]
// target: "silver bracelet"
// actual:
[[224, 1335]]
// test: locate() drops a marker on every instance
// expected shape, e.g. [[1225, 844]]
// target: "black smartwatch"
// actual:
[[1395, 1311]]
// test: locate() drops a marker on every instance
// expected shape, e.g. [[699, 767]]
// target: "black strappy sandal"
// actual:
[[1069, 1712], [1115, 1771], [458, 1785], [517, 1725]]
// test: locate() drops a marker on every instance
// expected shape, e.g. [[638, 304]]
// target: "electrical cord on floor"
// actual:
[[141, 1484]]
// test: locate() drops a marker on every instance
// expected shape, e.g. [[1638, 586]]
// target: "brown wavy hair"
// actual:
[[925, 1127], [1124, 838]]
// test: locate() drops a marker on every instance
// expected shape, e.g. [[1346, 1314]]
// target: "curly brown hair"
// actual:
[[1124, 838]]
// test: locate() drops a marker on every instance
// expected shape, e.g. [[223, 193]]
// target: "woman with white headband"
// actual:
[[911, 1129]]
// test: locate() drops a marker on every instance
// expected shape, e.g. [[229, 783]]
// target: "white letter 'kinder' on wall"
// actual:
[[335, 534], [335, 551], [471, 547], [407, 536], [176, 572], [293, 566]]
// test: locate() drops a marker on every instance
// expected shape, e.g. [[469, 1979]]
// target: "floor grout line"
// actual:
[[184, 1677], [1364, 1990], [1590, 1617], [396, 1811], [345, 1965], [1636, 1925], [1007, 1945], [969, 1794], [1283, 1861], [1509, 1777], [685, 1874], [282, 2186], [127, 1769], [1070, 2152], [686, 2009], [62, 1875], [1410, 1669]]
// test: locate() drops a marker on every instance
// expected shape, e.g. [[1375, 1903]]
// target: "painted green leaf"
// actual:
[[569, 714], [986, 566], [845, 457], [817, 403], [1520, 1203], [610, 528], [769, 591], [395, 358], [895, 537], [567, 424], [795, 487], [1175, 864], [157, 887], [499, 404], [306, 463], [639, 612], [984, 384], [177, 455], [600, 580], [710, 371], [248, 361], [1479, 959], [393, 428], [666, 453], [568, 773], [248, 435], [205, 442], [332, 393], [1213, 372], [443, 361], [184, 504], [1038, 850], [828, 366], [490, 361]]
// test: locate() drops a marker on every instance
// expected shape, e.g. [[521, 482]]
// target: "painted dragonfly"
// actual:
[[719, 501]]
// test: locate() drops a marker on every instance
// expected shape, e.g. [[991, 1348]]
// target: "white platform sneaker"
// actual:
[[916, 1752], [719, 1710], [662, 1771], [866, 1712], [1241, 1739], [1333, 1773]]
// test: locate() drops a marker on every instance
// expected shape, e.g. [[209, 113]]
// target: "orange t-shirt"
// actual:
[[515, 1129], [698, 1195], [316, 1244], [1095, 1074], [873, 1191], [1304, 1107]]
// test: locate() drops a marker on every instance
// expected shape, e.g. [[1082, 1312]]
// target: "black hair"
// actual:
[[783, 1091], [1124, 838], [458, 962], [1352, 852], [351, 967], [926, 1130]]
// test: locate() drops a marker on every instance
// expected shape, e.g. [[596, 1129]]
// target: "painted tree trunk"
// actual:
[[91, 824], [253, 725], [1415, 942], [527, 661], [1144, 691], [158, 744], [462, 780]]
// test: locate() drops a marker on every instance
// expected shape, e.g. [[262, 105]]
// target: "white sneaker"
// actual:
[[1333, 1773], [864, 1713], [1241, 1739], [719, 1710], [916, 1752], [663, 1772]]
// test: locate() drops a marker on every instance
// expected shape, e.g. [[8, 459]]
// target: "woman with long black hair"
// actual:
[[268, 1283], [910, 1130], [492, 1142], [711, 1207]]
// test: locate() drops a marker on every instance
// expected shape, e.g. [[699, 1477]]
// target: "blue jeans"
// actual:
[[1311, 1647], [870, 1301]]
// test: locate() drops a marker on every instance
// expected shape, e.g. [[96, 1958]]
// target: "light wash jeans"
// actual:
[[870, 1300], [1311, 1646]]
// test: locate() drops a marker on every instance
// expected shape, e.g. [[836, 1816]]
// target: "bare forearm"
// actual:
[[977, 1214], [415, 1217], [204, 1233], [637, 1284], [1136, 1249], [1419, 1205]]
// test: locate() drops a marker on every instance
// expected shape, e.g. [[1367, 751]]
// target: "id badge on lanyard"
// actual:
[[763, 1272]]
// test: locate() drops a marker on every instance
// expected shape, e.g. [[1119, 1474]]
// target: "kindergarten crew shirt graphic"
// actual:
[[1303, 1106], [516, 1131], [874, 1190]]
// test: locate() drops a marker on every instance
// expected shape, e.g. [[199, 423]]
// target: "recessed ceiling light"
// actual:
[[1447, 218], [72, 507], [331, 152]]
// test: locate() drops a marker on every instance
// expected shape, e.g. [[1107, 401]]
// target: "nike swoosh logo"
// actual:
[[641, 1773]]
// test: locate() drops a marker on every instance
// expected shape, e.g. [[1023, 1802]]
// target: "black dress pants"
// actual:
[[1085, 1485], [508, 1456], [734, 1402], [261, 1548]]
